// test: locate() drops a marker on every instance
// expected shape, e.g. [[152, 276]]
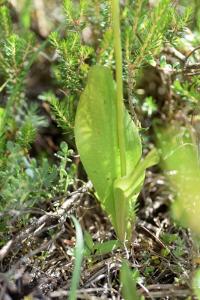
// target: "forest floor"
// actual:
[[40, 263]]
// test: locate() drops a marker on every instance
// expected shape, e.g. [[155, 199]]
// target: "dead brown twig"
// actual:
[[166, 290], [44, 221]]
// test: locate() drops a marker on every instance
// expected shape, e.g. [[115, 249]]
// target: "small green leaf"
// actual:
[[106, 247], [126, 190], [149, 106], [131, 184], [88, 241]]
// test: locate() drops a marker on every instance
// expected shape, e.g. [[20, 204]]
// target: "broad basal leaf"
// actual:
[[96, 136]]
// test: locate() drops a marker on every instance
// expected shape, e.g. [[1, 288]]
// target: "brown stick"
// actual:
[[44, 221]]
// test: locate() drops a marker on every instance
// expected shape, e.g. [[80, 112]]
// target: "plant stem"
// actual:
[[120, 104], [78, 253]]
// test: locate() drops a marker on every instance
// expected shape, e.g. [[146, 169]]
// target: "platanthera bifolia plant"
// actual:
[[109, 143]]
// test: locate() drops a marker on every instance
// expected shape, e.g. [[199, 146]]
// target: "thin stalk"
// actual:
[[120, 104], [78, 253]]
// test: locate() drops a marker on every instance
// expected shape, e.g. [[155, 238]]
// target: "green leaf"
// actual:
[[130, 185], [180, 161], [2, 115], [88, 241], [25, 16], [126, 190], [96, 137], [106, 247], [196, 283], [128, 280]]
